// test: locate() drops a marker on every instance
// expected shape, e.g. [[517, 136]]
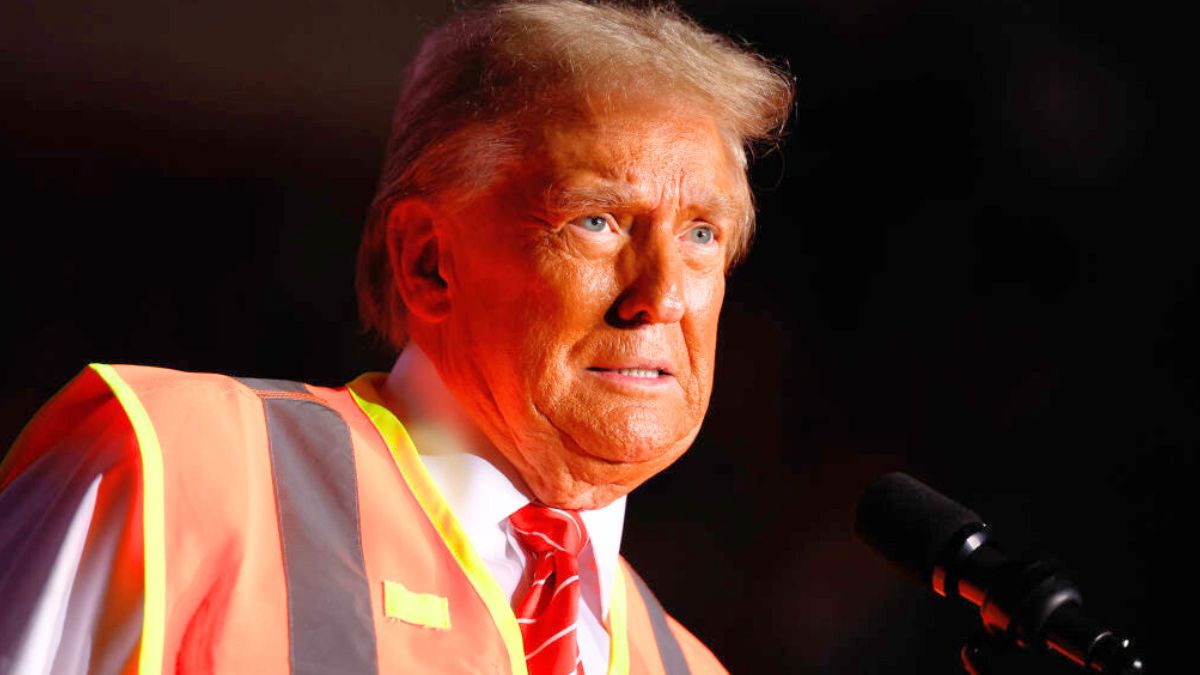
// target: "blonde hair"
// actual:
[[478, 80]]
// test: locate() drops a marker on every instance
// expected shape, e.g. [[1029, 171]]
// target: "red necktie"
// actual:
[[549, 611]]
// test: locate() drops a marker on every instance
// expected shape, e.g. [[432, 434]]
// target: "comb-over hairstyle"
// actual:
[[488, 73]]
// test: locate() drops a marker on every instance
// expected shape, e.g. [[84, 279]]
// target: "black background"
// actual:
[[972, 265]]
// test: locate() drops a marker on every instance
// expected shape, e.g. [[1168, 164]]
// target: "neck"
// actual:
[[435, 420]]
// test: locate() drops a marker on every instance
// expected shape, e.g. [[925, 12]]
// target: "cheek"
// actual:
[[569, 295], [561, 306], [704, 299], [700, 337]]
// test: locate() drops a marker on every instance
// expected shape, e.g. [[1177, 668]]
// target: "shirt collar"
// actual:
[[604, 528]]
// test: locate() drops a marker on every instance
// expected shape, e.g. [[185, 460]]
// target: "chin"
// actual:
[[599, 465], [581, 480], [596, 480], [582, 497], [634, 440]]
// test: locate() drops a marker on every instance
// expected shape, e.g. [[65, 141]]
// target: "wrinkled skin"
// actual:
[[606, 250]]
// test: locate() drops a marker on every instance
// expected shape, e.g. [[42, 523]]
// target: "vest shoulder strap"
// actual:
[[328, 593], [681, 653]]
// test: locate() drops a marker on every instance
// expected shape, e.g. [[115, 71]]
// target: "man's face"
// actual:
[[584, 295]]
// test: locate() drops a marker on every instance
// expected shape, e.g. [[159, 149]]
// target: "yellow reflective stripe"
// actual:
[[150, 658], [618, 653], [421, 609], [405, 455]]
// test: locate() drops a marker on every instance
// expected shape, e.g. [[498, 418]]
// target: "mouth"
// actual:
[[643, 373], [636, 376]]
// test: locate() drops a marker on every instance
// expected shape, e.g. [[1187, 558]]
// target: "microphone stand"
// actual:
[[980, 653], [988, 654], [1031, 604]]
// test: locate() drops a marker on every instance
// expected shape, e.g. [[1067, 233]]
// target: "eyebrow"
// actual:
[[615, 195], [573, 198]]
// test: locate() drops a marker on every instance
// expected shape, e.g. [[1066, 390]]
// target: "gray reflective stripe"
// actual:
[[668, 647], [316, 493], [263, 385]]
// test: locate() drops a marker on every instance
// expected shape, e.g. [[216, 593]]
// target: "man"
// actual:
[[563, 196]]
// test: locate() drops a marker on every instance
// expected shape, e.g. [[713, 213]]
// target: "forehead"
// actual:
[[655, 157]]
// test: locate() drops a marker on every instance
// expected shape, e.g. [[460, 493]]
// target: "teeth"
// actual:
[[638, 372]]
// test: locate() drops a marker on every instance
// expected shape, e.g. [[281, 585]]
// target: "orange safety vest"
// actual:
[[286, 527]]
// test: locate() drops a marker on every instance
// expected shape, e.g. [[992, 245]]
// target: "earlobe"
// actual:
[[418, 259]]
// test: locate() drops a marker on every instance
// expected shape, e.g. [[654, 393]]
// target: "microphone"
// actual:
[[948, 547]]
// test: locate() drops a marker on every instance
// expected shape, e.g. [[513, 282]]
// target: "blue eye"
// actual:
[[593, 223], [701, 235]]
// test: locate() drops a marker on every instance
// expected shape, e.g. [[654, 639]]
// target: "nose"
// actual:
[[656, 293]]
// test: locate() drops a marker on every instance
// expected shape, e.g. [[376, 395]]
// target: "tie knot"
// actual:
[[542, 529]]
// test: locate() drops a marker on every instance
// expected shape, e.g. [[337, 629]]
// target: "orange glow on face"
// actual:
[[584, 294]]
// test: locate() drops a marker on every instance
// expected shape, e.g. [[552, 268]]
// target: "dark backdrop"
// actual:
[[966, 268]]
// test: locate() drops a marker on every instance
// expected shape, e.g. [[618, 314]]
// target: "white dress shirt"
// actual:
[[482, 491]]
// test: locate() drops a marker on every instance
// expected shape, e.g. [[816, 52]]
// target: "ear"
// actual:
[[418, 260]]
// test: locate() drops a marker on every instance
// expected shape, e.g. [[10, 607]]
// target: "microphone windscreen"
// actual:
[[910, 523]]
